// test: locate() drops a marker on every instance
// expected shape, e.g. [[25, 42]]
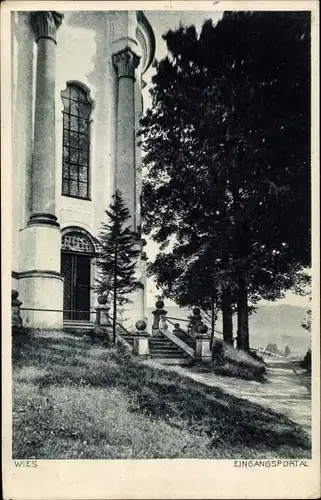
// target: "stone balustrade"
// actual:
[[200, 339]]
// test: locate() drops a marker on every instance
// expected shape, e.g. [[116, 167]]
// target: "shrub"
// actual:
[[217, 351], [306, 362], [235, 362]]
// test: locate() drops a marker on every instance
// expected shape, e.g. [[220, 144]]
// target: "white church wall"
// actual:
[[76, 48], [85, 46]]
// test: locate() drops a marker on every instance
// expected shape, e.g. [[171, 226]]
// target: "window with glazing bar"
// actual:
[[76, 141]]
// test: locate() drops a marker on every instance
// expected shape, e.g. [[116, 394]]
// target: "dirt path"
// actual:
[[287, 390]]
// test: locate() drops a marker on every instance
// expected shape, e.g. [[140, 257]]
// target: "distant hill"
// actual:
[[280, 325]]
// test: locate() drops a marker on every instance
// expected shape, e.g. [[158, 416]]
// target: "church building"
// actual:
[[77, 80]]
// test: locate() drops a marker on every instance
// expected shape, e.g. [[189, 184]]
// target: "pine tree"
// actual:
[[117, 256], [227, 154]]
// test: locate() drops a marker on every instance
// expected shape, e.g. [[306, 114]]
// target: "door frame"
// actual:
[[72, 314]]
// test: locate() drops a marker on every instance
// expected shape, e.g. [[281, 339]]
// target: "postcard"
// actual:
[[160, 240]]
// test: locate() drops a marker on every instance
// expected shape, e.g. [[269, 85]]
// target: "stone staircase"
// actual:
[[78, 327], [161, 349]]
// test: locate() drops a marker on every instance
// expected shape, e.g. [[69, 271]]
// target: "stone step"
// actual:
[[78, 324], [160, 341], [169, 348], [173, 354], [162, 344], [173, 361], [161, 349]]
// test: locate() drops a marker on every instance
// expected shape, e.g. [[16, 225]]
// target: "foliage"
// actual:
[[227, 155], [235, 362], [287, 351], [307, 360], [117, 255], [271, 347], [306, 323]]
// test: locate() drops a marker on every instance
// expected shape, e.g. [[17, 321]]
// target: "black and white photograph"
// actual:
[[161, 230]]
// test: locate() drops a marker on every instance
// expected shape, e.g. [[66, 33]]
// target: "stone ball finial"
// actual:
[[14, 294], [196, 311], [102, 299], [159, 304], [140, 325], [202, 328]]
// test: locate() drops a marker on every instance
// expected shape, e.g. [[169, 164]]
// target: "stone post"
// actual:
[[141, 342], [40, 280], [202, 348], [102, 310], [16, 320], [158, 314], [196, 320]]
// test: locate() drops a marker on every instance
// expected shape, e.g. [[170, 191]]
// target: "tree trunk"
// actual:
[[115, 295], [213, 318], [227, 316], [242, 318]]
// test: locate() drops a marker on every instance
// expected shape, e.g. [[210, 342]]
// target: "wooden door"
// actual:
[[76, 271]]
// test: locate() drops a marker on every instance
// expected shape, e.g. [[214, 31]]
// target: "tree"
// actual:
[[287, 351], [225, 179], [306, 323], [272, 348], [117, 256]]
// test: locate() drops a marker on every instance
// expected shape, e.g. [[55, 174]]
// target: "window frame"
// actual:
[[66, 112]]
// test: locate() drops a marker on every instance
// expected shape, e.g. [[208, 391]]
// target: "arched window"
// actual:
[[76, 141], [75, 241]]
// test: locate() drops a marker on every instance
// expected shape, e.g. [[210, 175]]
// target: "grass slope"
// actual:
[[76, 399]]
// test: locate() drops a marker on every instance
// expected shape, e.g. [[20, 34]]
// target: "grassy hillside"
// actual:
[[76, 398]]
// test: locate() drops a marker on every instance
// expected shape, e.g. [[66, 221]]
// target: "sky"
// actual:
[[161, 22]]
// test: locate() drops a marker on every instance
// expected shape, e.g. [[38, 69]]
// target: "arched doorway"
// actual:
[[77, 251]]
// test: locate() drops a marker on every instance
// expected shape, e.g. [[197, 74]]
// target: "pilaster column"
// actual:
[[40, 281], [125, 63], [45, 25]]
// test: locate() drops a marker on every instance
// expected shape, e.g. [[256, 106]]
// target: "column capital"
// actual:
[[126, 62], [45, 23]]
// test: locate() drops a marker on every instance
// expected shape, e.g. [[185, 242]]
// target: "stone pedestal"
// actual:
[[141, 340], [159, 317], [202, 349], [43, 299], [196, 320], [102, 315], [202, 344]]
